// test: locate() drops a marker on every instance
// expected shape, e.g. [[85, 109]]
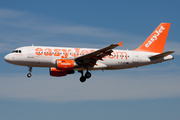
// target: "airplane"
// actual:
[[63, 61]]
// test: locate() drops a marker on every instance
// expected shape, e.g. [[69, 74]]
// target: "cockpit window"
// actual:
[[16, 51]]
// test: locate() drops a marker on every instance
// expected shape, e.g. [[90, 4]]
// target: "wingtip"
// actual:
[[120, 44]]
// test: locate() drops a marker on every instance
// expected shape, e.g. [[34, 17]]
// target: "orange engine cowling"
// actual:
[[63, 64], [59, 73]]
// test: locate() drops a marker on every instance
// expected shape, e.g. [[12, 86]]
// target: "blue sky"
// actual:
[[149, 92]]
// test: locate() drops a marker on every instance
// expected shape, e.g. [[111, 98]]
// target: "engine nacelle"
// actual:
[[63, 64], [59, 73]]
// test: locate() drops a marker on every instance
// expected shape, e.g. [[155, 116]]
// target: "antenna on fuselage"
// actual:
[[32, 44]]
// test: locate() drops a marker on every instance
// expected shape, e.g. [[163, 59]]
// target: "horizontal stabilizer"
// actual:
[[161, 55]]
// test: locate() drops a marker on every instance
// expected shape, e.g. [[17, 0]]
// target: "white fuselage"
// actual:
[[42, 56]]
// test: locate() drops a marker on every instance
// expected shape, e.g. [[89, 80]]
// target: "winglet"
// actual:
[[120, 44]]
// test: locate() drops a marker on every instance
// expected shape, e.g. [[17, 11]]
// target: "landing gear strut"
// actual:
[[87, 76], [30, 70]]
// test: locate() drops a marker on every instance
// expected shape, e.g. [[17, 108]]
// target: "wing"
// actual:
[[90, 59]]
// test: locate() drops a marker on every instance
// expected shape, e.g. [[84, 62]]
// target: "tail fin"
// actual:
[[156, 41]]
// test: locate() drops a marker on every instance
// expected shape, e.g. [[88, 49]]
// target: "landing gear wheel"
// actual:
[[82, 79], [29, 75], [88, 75], [30, 70]]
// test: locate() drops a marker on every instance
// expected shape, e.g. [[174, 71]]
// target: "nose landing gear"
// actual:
[[30, 70], [87, 76]]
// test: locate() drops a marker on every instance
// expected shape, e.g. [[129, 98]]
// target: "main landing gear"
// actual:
[[87, 76], [30, 70]]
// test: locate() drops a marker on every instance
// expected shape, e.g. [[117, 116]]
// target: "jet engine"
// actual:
[[64, 64], [59, 73]]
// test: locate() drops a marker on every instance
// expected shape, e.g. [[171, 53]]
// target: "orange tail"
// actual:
[[156, 41]]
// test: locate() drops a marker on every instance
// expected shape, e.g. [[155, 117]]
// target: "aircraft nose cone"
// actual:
[[6, 58]]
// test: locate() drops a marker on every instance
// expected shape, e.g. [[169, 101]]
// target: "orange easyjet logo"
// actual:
[[75, 52], [155, 36]]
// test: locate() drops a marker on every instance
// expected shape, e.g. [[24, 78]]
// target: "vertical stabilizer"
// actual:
[[156, 41]]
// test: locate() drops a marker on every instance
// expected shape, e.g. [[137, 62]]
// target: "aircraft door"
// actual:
[[135, 57], [31, 52]]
